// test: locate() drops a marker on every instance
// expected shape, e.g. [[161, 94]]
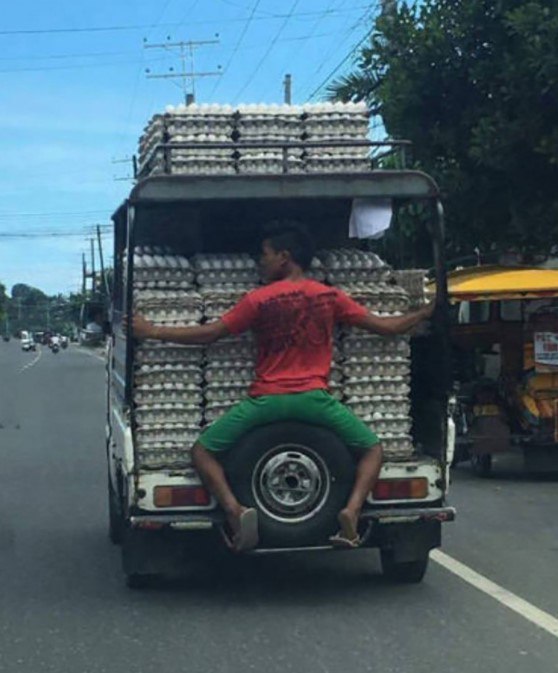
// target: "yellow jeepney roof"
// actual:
[[490, 283]]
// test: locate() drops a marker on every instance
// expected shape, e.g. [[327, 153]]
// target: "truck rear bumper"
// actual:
[[165, 544], [207, 520]]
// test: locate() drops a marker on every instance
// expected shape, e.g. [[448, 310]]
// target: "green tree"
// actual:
[[474, 85], [3, 302]]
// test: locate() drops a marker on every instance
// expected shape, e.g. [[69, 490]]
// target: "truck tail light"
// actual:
[[180, 496], [401, 489]]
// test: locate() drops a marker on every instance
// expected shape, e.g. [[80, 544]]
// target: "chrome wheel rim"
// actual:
[[291, 483]]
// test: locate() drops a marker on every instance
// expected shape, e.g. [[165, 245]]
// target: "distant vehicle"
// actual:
[[24, 334], [64, 341], [55, 348], [508, 318], [38, 337], [6, 337], [27, 344], [54, 342]]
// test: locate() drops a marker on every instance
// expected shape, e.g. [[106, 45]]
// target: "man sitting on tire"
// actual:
[[292, 319]]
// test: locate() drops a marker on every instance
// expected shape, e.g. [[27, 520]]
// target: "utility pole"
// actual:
[[102, 263], [185, 51], [83, 274], [287, 84], [93, 279], [125, 160]]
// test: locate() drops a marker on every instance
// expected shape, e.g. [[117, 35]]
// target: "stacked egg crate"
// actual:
[[168, 378], [413, 281], [177, 389], [262, 124], [150, 156], [229, 366], [376, 370], [194, 124], [269, 124], [324, 122]]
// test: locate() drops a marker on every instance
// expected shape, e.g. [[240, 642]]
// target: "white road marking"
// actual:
[[528, 611], [33, 362]]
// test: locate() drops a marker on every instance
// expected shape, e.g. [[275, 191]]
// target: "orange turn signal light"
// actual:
[[401, 489], [180, 496]]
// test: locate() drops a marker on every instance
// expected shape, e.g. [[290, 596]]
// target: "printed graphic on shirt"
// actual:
[[295, 320]]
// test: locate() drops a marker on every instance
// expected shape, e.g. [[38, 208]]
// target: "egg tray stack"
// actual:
[[167, 378], [269, 124], [323, 122], [317, 270], [194, 124], [376, 370], [262, 124], [376, 387], [229, 364], [413, 281], [168, 398], [156, 268], [152, 136], [178, 389]]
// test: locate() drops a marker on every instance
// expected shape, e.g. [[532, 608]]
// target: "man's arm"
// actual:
[[196, 334], [393, 325]]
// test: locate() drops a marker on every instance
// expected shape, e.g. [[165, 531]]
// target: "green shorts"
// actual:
[[317, 407]]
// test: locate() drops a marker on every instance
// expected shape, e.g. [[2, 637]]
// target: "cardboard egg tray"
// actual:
[[179, 389], [262, 124]]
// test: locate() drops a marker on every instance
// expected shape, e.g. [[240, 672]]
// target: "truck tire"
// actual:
[[298, 476], [116, 518], [404, 572]]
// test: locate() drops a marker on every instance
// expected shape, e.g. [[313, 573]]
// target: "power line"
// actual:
[[102, 54], [237, 45], [315, 27], [48, 234], [288, 17], [235, 4], [57, 213], [99, 29], [347, 35], [86, 54], [138, 75], [341, 64], [76, 66]]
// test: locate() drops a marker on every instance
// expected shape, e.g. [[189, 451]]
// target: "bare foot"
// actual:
[[348, 521]]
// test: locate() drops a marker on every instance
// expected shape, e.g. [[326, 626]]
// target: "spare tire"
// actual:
[[297, 476]]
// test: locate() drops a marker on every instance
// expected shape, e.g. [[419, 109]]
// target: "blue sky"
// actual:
[[75, 97]]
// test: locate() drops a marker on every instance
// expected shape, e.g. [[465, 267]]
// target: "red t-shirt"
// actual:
[[293, 324]]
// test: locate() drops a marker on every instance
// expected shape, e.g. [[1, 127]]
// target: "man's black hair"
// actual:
[[293, 237]]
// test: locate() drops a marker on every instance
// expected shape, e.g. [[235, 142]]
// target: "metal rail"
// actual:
[[237, 145]]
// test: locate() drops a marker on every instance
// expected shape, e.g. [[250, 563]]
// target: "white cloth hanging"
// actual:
[[370, 218]]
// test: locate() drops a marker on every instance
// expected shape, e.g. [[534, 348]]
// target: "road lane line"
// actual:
[[528, 611], [33, 362]]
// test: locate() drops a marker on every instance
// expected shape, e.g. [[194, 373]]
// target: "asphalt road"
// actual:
[[64, 606]]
